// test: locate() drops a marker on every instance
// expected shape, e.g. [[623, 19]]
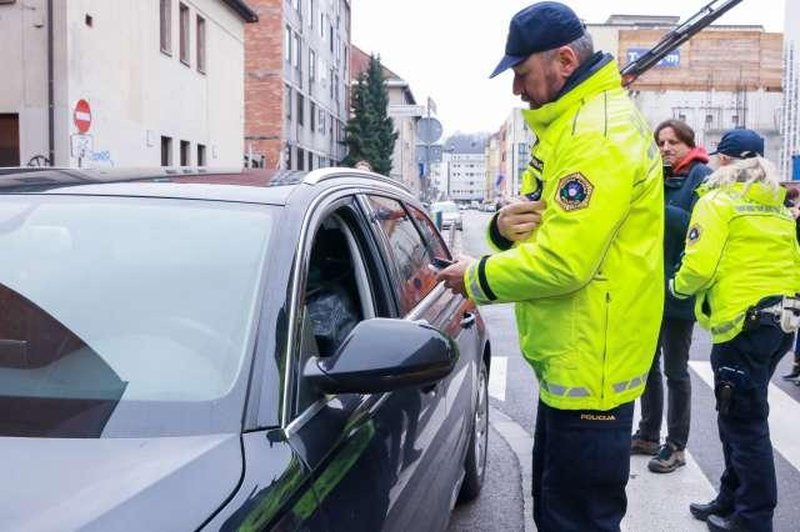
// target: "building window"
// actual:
[[301, 102], [9, 139], [166, 151], [289, 150], [682, 117], [312, 116], [336, 87], [330, 35], [201, 44], [184, 35], [310, 161], [735, 120], [166, 26], [311, 14], [201, 155], [288, 103], [312, 67], [287, 44], [186, 158], [296, 52], [322, 25], [301, 158], [709, 119]]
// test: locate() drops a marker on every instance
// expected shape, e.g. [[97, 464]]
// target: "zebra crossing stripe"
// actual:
[[784, 416], [497, 378]]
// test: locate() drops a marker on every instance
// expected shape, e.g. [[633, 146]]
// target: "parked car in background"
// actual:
[[250, 351], [451, 214]]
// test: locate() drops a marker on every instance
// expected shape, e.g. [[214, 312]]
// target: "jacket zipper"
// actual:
[[605, 350]]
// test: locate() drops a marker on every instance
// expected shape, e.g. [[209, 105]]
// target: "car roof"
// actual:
[[239, 185]]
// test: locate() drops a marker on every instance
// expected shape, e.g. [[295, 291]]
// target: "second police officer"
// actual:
[[742, 262]]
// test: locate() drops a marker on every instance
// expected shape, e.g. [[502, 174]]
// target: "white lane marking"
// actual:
[[784, 413], [685, 485], [497, 377]]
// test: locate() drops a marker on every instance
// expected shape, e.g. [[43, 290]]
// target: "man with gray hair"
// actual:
[[581, 255]]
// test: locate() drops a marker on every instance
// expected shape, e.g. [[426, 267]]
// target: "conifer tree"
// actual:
[[370, 134]]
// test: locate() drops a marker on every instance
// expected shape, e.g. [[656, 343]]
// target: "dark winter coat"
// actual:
[[679, 198]]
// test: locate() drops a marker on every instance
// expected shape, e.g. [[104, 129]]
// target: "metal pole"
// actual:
[[51, 119], [427, 172]]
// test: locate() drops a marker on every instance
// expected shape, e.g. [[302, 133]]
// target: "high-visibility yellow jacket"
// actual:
[[741, 247], [589, 282]]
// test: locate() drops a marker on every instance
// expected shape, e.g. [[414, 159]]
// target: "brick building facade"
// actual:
[[296, 72]]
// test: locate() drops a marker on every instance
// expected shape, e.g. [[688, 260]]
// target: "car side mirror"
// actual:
[[382, 355]]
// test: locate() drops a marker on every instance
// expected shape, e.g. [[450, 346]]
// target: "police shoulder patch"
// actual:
[[574, 192], [694, 234]]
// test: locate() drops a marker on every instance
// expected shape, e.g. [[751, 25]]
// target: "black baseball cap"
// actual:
[[537, 28], [741, 143]]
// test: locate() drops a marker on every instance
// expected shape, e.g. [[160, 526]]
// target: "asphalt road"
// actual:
[[656, 502]]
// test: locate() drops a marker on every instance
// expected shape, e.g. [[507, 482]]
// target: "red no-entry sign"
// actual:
[[82, 116]]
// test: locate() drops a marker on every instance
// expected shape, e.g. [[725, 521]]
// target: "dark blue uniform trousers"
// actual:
[[581, 464], [743, 367]]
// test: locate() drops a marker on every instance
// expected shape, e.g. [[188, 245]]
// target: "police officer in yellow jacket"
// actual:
[[743, 262], [588, 281]]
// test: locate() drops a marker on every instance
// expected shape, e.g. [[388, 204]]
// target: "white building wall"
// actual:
[[791, 89], [519, 139], [712, 113], [467, 174], [23, 91], [404, 166], [136, 92]]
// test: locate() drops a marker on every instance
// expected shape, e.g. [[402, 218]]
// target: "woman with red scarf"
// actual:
[[684, 170]]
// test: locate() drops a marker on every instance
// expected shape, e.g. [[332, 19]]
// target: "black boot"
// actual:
[[795, 369], [724, 524], [703, 511]]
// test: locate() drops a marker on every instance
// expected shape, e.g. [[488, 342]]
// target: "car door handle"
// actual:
[[468, 320]]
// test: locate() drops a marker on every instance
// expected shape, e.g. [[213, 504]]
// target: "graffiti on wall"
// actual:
[[101, 158]]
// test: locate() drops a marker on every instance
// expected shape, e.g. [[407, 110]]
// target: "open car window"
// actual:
[[337, 296]]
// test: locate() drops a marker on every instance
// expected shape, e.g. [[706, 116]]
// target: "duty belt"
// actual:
[[784, 311]]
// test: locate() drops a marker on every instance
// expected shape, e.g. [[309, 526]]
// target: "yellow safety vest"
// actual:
[[589, 283], [741, 247]]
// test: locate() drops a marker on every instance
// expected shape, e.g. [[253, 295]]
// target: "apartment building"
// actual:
[[724, 77], [464, 168], [297, 74], [94, 83]]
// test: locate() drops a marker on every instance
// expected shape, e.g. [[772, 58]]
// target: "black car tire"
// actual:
[[475, 463]]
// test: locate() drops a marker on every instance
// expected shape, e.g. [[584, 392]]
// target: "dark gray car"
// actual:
[[252, 350]]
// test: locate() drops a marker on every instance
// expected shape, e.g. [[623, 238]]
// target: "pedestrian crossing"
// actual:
[[784, 416], [659, 502]]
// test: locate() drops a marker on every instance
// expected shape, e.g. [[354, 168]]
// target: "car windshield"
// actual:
[[126, 316]]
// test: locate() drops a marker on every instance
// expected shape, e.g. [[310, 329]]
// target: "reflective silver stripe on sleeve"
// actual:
[[475, 286]]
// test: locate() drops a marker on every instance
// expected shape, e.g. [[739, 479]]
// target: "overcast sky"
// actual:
[[446, 49]]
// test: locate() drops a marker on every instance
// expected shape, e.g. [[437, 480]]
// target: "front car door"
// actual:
[[370, 455], [410, 246]]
